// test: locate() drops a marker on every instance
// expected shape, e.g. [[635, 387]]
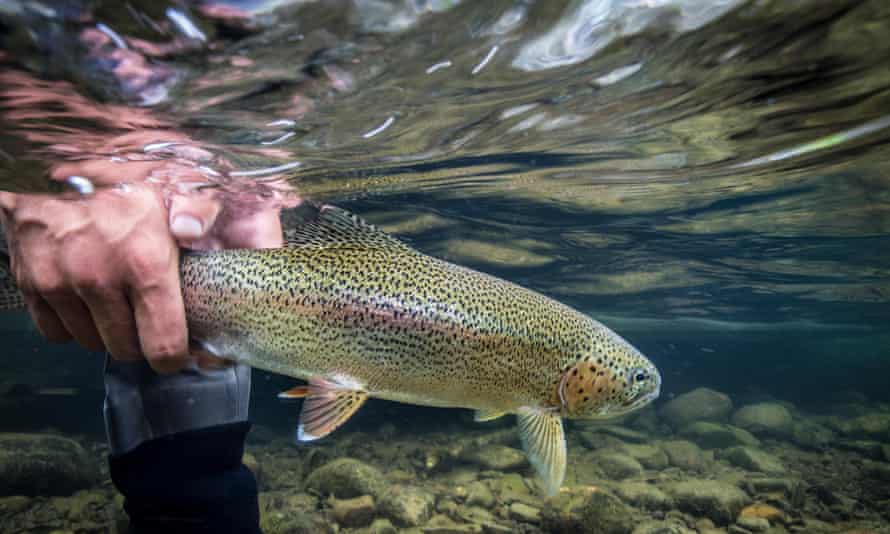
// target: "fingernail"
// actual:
[[186, 227]]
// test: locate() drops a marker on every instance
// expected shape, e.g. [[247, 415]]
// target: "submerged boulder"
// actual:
[[769, 418], [700, 404], [753, 460], [718, 501], [496, 458], [684, 454], [718, 436], [587, 512], [346, 478], [44, 464], [407, 506]]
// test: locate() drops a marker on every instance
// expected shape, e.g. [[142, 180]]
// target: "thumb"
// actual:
[[192, 216]]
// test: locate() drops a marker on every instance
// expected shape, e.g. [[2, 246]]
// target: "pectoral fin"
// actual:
[[328, 405], [487, 415], [544, 442]]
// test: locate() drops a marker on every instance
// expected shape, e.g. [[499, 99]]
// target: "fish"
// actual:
[[359, 314]]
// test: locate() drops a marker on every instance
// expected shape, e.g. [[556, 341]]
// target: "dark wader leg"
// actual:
[[176, 446]]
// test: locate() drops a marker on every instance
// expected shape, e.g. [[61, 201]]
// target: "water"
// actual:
[[709, 179]]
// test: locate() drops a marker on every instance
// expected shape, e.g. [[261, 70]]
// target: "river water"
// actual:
[[708, 178]]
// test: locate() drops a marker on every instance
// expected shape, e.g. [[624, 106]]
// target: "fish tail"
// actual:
[[10, 296]]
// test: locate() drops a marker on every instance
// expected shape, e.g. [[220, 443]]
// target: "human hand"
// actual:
[[104, 269]]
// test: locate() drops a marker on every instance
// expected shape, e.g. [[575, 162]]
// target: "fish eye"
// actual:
[[639, 375]]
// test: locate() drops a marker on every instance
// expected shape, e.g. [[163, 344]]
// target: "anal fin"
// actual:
[[487, 415], [544, 441], [328, 405]]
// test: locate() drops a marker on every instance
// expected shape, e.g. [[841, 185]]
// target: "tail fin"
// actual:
[[10, 296]]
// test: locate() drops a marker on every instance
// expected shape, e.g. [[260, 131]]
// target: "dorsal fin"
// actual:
[[333, 227]]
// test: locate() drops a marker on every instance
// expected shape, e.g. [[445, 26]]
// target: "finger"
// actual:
[[46, 320], [259, 230], [114, 320], [192, 216], [160, 321], [77, 320]]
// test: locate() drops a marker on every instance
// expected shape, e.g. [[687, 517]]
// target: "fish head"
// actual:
[[609, 379]]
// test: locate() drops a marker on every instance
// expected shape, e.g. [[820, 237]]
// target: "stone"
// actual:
[[810, 435], [524, 513], [879, 471], [753, 460], [346, 478], [351, 513], [618, 466], [718, 436], [718, 501], [44, 464], [873, 425], [885, 451], [700, 404], [671, 526], [496, 458], [441, 524], [624, 434], [769, 418], [382, 526], [650, 456], [286, 512], [684, 454], [512, 487], [407, 506], [643, 495], [587, 511], [763, 511], [864, 447], [753, 524], [479, 494]]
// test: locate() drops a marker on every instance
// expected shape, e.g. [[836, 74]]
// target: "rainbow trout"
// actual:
[[359, 314]]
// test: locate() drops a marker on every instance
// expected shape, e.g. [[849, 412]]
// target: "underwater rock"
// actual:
[[643, 495], [587, 511], [285, 512], [650, 456], [512, 487], [753, 460], [718, 436], [618, 466], [864, 447], [407, 506], [441, 524], [769, 418], [700, 404], [44, 464], [684, 454], [885, 450], [753, 524], [356, 512], [624, 434], [479, 494], [810, 435], [524, 513], [877, 470], [874, 425], [382, 526], [496, 458], [763, 511], [346, 478], [718, 501], [671, 526]]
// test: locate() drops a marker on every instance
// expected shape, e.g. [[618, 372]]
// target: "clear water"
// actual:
[[710, 179]]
